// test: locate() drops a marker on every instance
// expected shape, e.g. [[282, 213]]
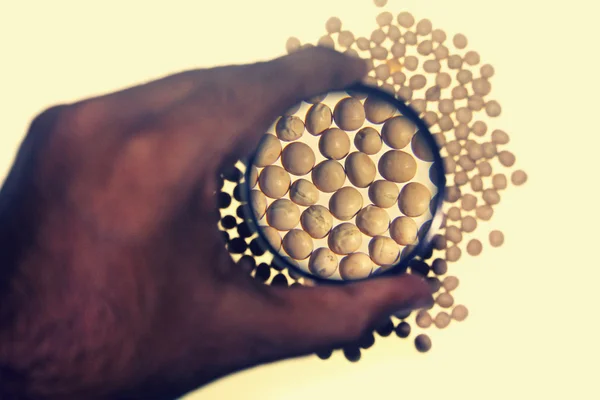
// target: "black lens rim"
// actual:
[[424, 241]]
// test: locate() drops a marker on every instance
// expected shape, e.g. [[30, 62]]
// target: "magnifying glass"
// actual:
[[346, 186]]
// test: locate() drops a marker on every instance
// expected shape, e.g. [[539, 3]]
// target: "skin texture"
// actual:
[[114, 280]]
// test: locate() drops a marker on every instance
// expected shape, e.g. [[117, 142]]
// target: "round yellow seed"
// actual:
[[460, 313], [328, 176], [297, 158], [397, 132], [356, 266], [333, 25], [518, 177], [345, 239], [318, 118], [405, 19], [397, 166], [414, 199], [496, 238], [274, 181], [460, 41], [373, 221], [334, 144], [323, 262], [474, 247], [304, 193], [404, 231], [383, 250], [317, 221], [289, 128], [360, 169], [283, 215], [345, 203], [268, 151], [298, 244]]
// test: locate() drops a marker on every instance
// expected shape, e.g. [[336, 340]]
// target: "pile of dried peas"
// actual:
[[446, 84]]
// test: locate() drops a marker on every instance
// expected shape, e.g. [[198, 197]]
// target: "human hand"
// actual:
[[116, 281]]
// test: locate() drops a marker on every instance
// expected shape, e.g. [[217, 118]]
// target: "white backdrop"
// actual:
[[532, 331]]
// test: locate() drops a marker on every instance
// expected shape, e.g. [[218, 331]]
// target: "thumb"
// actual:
[[314, 318], [306, 73]]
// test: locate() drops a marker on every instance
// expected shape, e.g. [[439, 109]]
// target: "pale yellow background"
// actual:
[[533, 329]]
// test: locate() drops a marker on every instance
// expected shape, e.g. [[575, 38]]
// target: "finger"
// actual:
[[287, 79], [306, 319], [241, 110]]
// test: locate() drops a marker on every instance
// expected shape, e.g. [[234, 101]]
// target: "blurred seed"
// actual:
[[460, 313], [423, 319], [403, 330], [423, 343], [442, 320], [484, 212], [450, 283], [453, 254], [474, 247], [499, 181], [496, 238], [439, 266], [468, 224], [519, 177]]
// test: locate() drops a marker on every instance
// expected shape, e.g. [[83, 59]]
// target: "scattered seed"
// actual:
[[423, 343], [411, 63], [379, 53], [500, 137], [475, 102], [410, 38], [453, 254], [484, 212], [474, 247], [499, 181], [460, 41], [459, 93], [423, 319], [334, 144], [293, 44], [405, 19], [496, 238], [460, 313], [385, 18], [468, 202], [438, 36], [468, 224], [472, 57], [484, 168], [441, 52], [493, 109], [506, 158], [405, 93], [453, 234], [439, 266], [363, 43], [443, 80], [450, 283], [487, 71], [519, 177], [479, 128], [445, 300], [345, 39], [442, 320], [394, 33], [326, 41]]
